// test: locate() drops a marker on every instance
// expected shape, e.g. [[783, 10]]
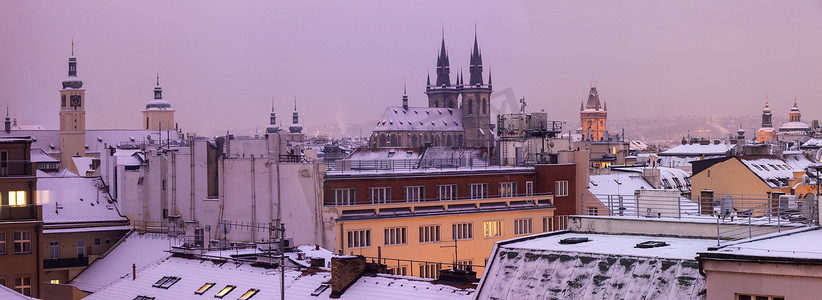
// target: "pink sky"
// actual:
[[220, 62]]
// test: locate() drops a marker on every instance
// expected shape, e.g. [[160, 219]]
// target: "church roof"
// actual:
[[395, 118], [794, 126]]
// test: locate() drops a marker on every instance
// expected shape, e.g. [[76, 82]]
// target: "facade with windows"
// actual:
[[21, 219], [420, 216]]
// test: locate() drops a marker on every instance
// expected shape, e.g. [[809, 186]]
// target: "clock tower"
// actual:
[[72, 116]]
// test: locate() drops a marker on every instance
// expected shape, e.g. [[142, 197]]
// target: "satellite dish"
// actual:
[[551, 144]]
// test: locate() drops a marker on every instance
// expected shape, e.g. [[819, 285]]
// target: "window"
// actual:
[[529, 188], [17, 198], [478, 190], [462, 231], [204, 288], [166, 282], [96, 241], [379, 195], [429, 270], [248, 294], [108, 241], [492, 228], [414, 193], [81, 248], [2, 243], [22, 242], [593, 211], [547, 224], [665, 183], [396, 236], [677, 183], [447, 192], [141, 297], [561, 188], [54, 249], [507, 189], [359, 238], [757, 297], [227, 289], [23, 285], [54, 281], [343, 196], [464, 265], [430, 234], [523, 226], [399, 270]]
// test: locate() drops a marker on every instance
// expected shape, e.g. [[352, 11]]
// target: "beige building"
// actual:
[[72, 116], [158, 115]]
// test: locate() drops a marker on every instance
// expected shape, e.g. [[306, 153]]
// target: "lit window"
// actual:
[[447, 192], [54, 281], [414, 193], [166, 282], [379, 195], [396, 236], [227, 289], [462, 231], [359, 238], [561, 188], [523, 226], [204, 288], [492, 228], [23, 285], [429, 234], [17, 198], [22, 242], [248, 294], [507, 189]]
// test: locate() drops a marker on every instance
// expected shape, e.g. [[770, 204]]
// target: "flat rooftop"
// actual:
[[805, 244], [621, 245]]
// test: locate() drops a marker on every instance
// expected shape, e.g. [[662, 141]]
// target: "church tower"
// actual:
[[72, 116], [272, 121], [158, 115], [594, 118], [794, 115], [442, 94], [766, 133], [476, 108]]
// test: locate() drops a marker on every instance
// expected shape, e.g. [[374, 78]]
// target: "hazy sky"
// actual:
[[221, 62]]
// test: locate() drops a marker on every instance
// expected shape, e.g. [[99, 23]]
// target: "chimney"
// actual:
[[133, 271], [652, 176], [317, 262], [457, 278], [345, 270]]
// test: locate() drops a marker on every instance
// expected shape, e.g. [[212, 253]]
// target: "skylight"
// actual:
[[248, 294], [143, 298], [651, 244], [204, 288], [227, 289], [166, 282], [574, 240]]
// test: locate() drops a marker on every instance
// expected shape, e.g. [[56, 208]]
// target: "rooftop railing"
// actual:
[[408, 165]]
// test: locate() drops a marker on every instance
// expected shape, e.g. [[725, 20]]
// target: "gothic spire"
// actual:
[[443, 65], [476, 62]]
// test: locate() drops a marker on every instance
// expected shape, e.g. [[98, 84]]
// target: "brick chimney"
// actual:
[[345, 270]]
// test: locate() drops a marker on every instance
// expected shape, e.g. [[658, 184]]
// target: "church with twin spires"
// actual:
[[458, 113]]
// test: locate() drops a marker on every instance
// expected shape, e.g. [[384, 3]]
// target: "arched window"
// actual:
[[147, 123], [437, 140], [414, 140], [449, 142], [394, 141], [484, 106], [470, 107], [459, 140], [381, 142]]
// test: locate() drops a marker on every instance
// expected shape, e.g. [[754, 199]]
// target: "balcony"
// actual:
[[21, 213], [16, 168], [60, 263], [438, 207]]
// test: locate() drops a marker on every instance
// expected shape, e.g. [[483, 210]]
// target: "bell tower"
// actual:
[[442, 94], [476, 109], [72, 116]]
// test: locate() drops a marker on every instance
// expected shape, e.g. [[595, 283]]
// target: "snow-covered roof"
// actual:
[[796, 160], [395, 118], [805, 245], [40, 156], [82, 163], [697, 149], [442, 154], [384, 154], [608, 189], [9, 294], [773, 171], [141, 250], [194, 273], [605, 267], [794, 126], [49, 140], [75, 200], [638, 145], [813, 143]]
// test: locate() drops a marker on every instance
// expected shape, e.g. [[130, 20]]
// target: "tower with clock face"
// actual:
[[72, 116]]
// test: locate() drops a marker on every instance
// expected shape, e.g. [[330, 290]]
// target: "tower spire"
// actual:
[[72, 46], [295, 118], [404, 96], [272, 123], [443, 64], [476, 62]]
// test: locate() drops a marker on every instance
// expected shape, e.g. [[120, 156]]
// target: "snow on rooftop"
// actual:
[[395, 118], [796, 161], [607, 267], [805, 245], [697, 149], [142, 250], [384, 154], [194, 273], [40, 156], [773, 171], [75, 200], [9, 294], [83, 164]]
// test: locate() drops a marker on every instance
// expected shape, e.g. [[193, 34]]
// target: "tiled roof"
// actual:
[[395, 118]]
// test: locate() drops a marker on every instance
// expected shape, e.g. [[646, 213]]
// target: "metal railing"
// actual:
[[405, 165], [395, 265], [72, 262], [766, 218], [21, 213], [442, 200]]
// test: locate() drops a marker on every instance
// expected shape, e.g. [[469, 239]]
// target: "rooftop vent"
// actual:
[[651, 244], [574, 240]]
